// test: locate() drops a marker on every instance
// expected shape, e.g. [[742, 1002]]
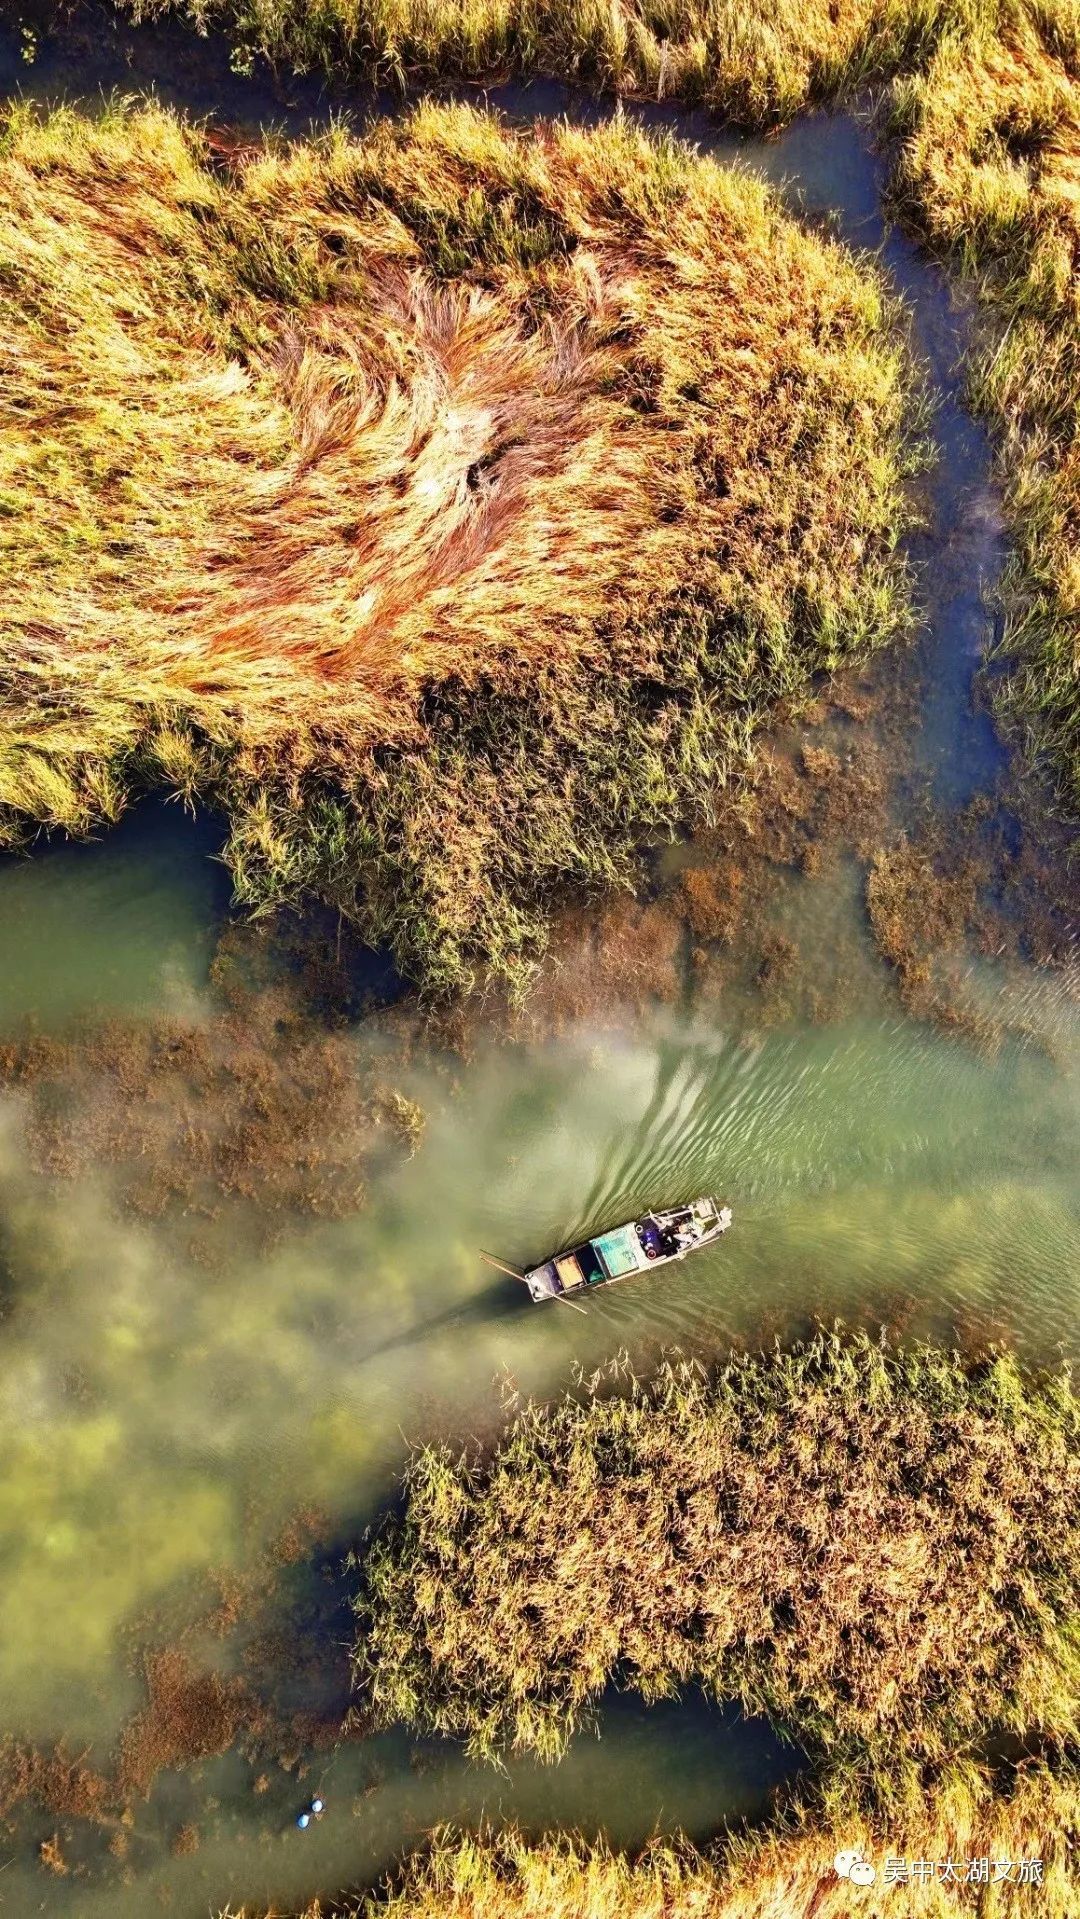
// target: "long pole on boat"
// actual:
[[514, 1274], [503, 1267], [563, 1301]]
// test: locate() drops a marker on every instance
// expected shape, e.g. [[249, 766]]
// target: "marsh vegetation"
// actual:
[[988, 171], [247, 1113], [449, 507], [754, 64], [878, 1549], [980, 116], [715, 1529]]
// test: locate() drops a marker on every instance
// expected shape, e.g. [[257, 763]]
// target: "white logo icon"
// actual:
[[850, 1864]]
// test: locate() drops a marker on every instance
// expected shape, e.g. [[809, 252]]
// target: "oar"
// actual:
[[514, 1274]]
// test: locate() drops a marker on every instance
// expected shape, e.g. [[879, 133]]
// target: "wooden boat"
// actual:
[[637, 1247]]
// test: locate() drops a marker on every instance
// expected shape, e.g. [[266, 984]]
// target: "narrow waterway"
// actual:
[[165, 1415]]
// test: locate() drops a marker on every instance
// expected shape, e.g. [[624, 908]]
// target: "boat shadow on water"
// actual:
[[493, 1306]]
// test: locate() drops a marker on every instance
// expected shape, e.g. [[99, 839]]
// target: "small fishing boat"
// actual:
[[637, 1247]]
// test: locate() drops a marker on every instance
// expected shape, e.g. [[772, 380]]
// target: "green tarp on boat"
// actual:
[[619, 1251]]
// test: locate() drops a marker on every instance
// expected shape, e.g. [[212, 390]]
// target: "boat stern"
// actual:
[[543, 1281]]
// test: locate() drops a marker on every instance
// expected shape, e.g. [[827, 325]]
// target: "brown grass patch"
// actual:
[[921, 897], [712, 895], [64, 1784], [52, 1858], [450, 506], [879, 1550]]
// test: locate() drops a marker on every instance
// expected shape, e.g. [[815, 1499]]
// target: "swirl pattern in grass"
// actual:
[[447, 507]]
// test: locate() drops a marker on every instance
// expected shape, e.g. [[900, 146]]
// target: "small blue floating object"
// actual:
[[304, 1820]]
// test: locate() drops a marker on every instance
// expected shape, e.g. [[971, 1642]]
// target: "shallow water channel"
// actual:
[[163, 1419]]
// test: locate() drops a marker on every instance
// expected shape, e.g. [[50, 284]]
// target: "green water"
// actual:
[[870, 1167], [125, 925], [388, 1794], [160, 1421], [879, 1173]]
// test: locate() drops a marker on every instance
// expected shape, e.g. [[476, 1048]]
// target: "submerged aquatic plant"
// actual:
[[880, 1550], [448, 507]]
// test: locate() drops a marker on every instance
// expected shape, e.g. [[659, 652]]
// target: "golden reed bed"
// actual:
[[447, 507]]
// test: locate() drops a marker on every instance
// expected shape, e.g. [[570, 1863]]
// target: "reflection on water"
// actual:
[[160, 1420]]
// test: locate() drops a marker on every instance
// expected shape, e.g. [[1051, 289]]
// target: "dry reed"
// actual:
[[988, 169], [983, 109], [449, 507], [880, 1551], [752, 62]]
